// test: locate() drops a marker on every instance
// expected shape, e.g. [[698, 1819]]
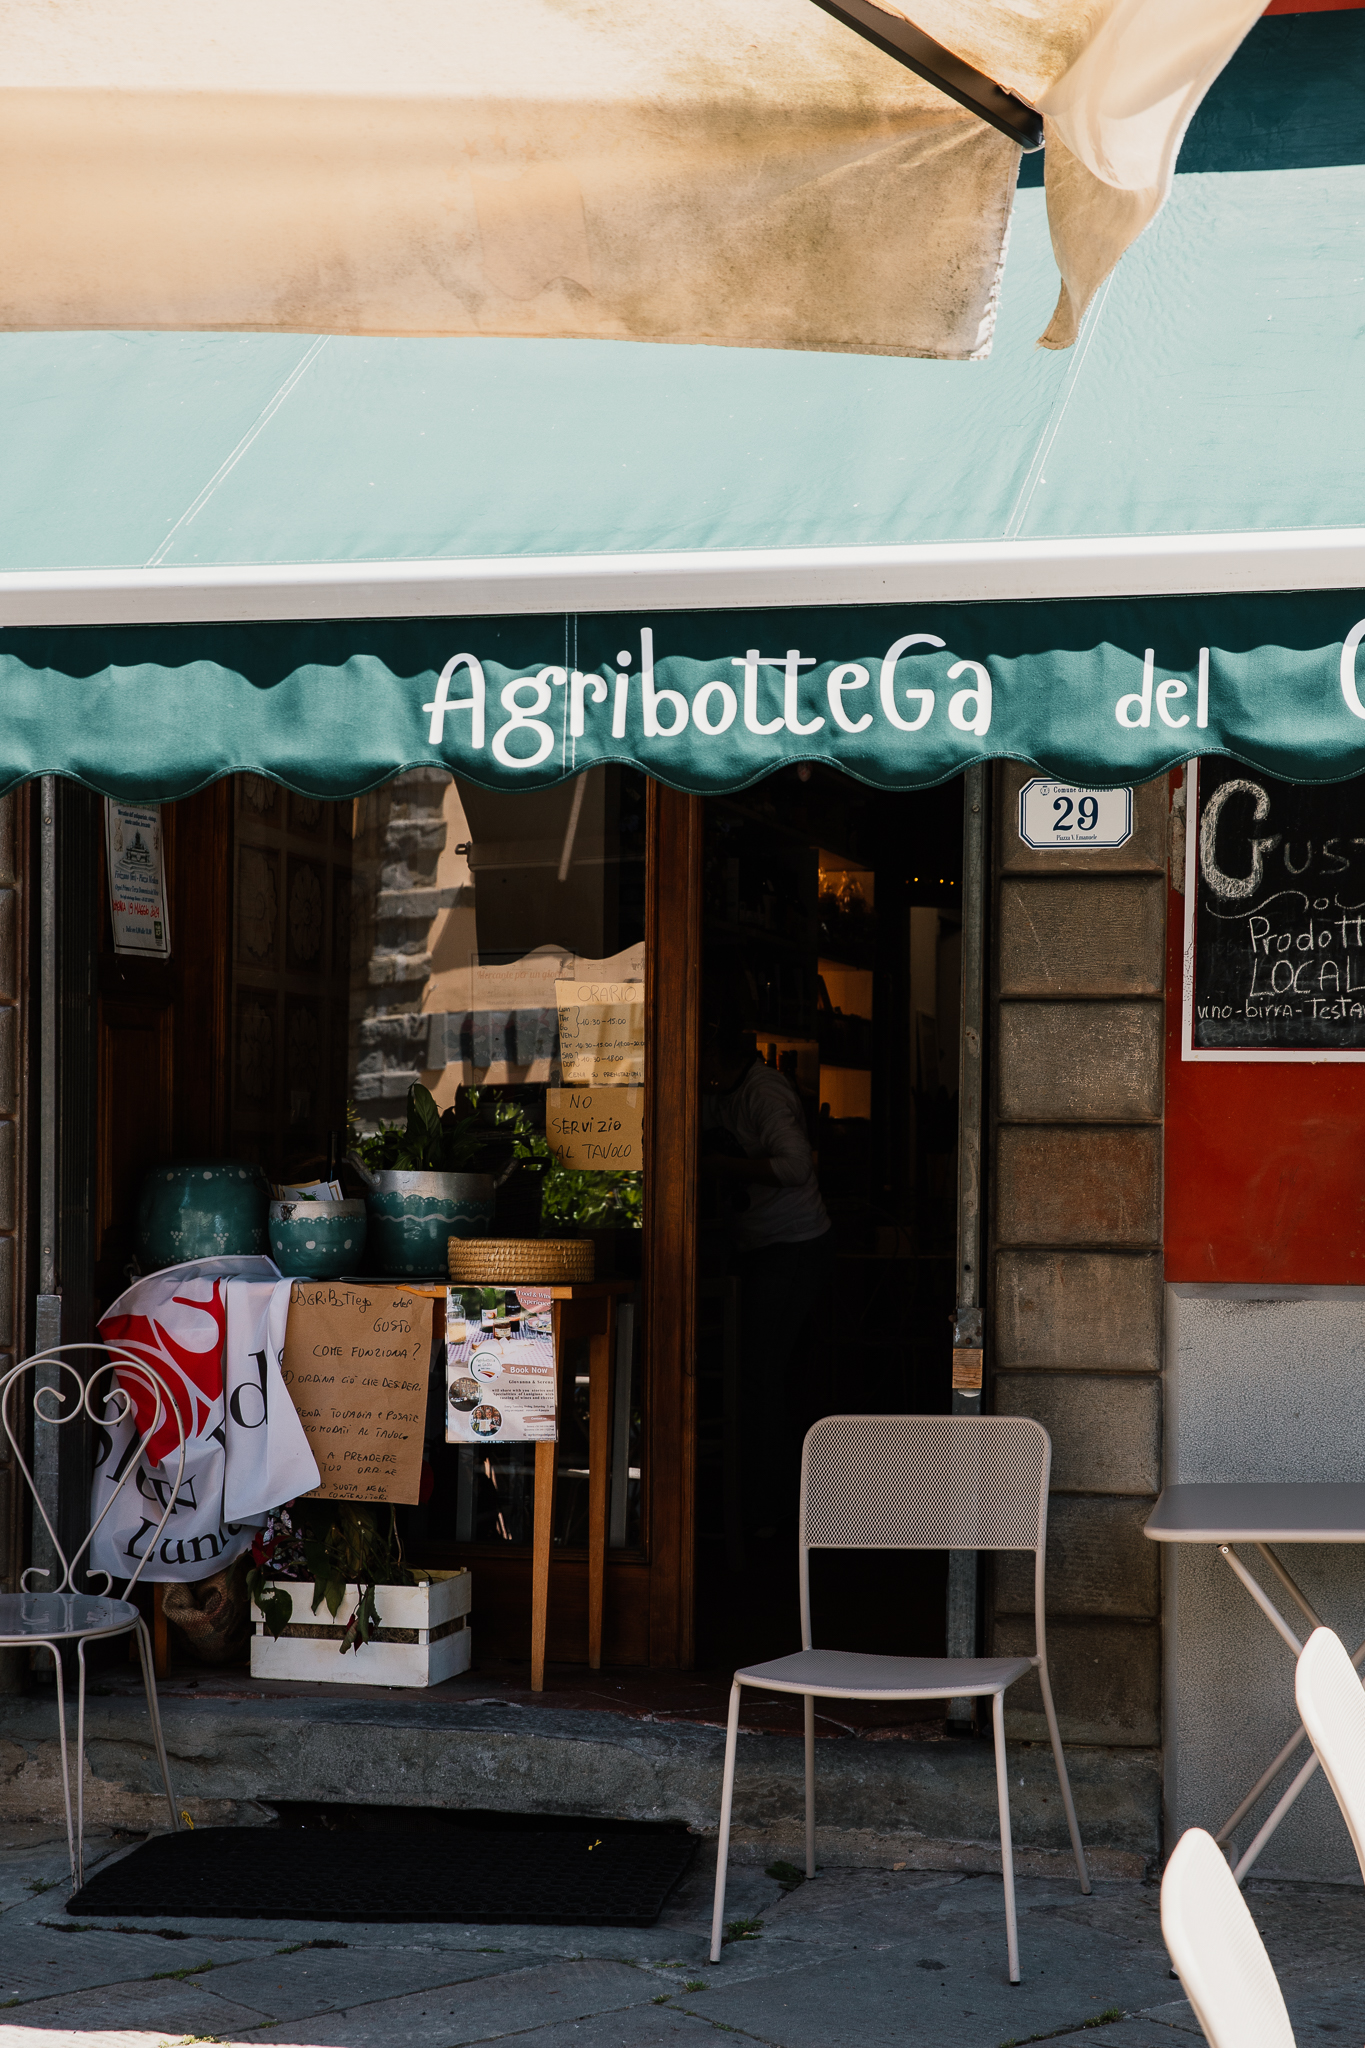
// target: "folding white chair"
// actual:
[[1218, 1955], [1331, 1702], [914, 1482]]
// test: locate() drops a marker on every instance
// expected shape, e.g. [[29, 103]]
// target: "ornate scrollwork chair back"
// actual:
[[121, 1388]]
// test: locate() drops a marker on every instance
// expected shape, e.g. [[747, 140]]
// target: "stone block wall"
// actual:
[[1076, 1267]]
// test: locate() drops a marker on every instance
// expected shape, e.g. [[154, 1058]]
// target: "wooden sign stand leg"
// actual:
[[542, 1528], [601, 1346], [161, 1633]]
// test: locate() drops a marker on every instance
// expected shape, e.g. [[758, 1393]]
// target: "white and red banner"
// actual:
[[213, 1330]]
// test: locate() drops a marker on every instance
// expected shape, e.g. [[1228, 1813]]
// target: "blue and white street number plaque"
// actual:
[[1054, 814]]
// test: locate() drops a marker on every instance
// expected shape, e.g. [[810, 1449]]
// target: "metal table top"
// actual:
[[1267, 1511]]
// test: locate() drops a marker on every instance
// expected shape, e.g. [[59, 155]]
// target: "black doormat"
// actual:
[[391, 1865]]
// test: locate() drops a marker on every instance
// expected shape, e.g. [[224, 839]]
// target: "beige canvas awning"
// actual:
[[744, 172]]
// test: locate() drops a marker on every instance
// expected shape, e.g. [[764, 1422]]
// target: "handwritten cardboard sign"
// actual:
[[601, 1129], [356, 1363], [601, 1030]]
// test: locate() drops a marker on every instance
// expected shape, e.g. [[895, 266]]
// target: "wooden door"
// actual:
[[290, 967], [161, 1035]]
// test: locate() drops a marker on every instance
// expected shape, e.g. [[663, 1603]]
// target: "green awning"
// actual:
[[329, 525], [1100, 692]]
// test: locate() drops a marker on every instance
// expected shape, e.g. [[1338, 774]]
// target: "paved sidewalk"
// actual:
[[852, 1959]]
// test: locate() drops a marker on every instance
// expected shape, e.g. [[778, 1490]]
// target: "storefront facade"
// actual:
[[793, 617]]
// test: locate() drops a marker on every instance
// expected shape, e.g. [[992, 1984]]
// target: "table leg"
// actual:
[[541, 1531], [602, 1346], [1278, 1622], [1283, 1576]]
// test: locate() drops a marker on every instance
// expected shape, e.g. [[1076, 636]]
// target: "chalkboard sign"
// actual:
[[1274, 917]]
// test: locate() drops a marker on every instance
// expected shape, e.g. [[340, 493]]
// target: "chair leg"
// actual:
[[1063, 1780], [723, 1842], [144, 1650], [1002, 1786], [80, 1762], [61, 1736], [809, 1703]]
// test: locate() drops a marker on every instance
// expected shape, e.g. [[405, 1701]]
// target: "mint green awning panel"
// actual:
[[1096, 692], [1212, 393]]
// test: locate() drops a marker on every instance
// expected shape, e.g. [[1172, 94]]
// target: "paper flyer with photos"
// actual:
[[500, 1366]]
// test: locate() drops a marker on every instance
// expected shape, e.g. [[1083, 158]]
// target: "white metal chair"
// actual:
[[914, 1482], [1218, 1955], [1331, 1703], [42, 1620]]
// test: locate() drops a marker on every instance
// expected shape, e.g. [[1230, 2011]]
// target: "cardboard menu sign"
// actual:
[[500, 1366], [601, 1030], [598, 1129], [356, 1363]]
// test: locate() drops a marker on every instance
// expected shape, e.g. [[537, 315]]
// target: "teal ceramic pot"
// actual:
[[317, 1240], [207, 1210], [413, 1216]]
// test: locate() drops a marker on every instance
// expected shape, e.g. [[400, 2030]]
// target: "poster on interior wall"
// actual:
[[137, 882], [1274, 917], [596, 1130], [500, 1366], [601, 1031], [356, 1362]]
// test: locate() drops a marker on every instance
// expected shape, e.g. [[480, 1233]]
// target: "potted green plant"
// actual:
[[405, 1626], [423, 1186]]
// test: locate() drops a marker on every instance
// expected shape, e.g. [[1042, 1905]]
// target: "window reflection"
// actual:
[[470, 907]]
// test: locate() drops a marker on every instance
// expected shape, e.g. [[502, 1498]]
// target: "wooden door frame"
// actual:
[[673, 900]]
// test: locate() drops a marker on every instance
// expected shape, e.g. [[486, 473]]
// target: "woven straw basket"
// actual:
[[520, 1261]]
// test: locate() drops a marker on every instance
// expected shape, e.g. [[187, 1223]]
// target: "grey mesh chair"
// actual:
[[914, 1482], [44, 1619]]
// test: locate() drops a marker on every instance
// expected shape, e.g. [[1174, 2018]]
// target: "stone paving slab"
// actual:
[[170, 2009], [852, 1958], [639, 2028], [1140, 2033], [77, 1961], [315, 1981], [942, 1985], [454, 2015]]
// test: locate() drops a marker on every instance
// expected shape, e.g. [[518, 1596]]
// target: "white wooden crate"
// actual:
[[437, 1611]]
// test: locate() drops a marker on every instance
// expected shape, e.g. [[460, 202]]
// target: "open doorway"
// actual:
[[831, 1014]]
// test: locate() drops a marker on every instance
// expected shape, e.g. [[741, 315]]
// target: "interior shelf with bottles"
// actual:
[[847, 909]]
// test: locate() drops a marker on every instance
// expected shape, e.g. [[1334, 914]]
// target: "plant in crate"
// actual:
[[336, 1544]]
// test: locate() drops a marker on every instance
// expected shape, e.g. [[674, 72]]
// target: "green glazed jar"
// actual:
[[413, 1217], [206, 1210], [317, 1240]]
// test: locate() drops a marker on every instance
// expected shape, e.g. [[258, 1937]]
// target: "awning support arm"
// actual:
[[929, 60]]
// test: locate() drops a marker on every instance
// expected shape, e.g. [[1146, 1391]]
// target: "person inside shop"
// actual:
[[756, 1144]]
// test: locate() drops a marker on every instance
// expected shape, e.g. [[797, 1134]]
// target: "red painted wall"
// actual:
[[1265, 1163]]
